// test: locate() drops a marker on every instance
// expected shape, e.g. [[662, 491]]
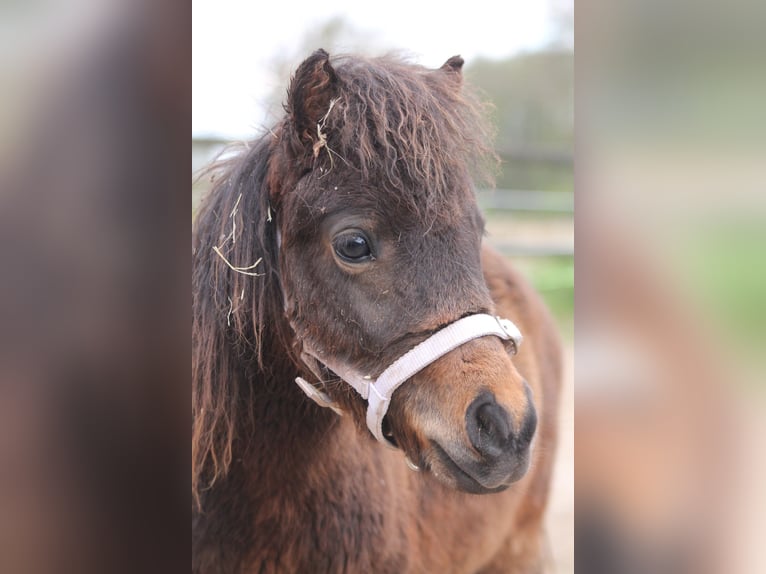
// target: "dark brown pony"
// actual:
[[352, 228]]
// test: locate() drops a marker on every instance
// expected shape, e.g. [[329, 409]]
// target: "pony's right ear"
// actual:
[[309, 97]]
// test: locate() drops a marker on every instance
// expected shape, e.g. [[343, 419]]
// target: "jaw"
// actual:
[[447, 471], [449, 457], [464, 472]]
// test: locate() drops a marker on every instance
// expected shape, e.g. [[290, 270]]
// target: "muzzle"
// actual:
[[378, 392]]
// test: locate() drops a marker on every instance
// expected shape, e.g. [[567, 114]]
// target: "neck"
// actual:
[[287, 426], [283, 444]]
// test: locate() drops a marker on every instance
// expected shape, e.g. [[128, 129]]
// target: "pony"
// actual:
[[338, 250]]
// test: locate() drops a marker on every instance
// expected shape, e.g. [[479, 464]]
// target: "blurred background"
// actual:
[[519, 55]]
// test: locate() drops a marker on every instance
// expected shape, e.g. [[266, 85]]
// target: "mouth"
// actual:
[[462, 479], [388, 434]]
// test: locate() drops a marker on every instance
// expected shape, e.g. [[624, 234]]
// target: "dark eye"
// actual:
[[352, 247]]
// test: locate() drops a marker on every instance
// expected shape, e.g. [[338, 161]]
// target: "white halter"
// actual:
[[378, 392]]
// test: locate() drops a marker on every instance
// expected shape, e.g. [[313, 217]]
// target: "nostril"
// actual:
[[492, 422], [488, 426]]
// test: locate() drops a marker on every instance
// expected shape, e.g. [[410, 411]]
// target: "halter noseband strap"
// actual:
[[378, 392]]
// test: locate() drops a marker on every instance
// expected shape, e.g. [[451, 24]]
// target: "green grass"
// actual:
[[553, 277], [723, 270]]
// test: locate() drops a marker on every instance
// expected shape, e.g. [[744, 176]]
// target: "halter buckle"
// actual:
[[514, 335]]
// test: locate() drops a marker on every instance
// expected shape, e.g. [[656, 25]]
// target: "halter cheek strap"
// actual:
[[379, 392]]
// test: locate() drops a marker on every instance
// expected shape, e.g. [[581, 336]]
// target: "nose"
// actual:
[[490, 428]]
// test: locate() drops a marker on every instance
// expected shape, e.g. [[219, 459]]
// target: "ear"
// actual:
[[454, 66], [312, 88]]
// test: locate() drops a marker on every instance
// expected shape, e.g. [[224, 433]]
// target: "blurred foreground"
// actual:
[[670, 320], [93, 321]]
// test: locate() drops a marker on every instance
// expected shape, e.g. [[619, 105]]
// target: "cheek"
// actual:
[[321, 302], [357, 314], [303, 282]]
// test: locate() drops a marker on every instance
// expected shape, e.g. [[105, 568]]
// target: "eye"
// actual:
[[352, 247]]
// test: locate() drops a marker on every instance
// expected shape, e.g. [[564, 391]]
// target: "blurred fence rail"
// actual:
[[520, 249], [525, 200], [524, 223], [553, 156]]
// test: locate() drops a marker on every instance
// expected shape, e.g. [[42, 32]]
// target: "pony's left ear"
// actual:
[[311, 92], [454, 66]]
